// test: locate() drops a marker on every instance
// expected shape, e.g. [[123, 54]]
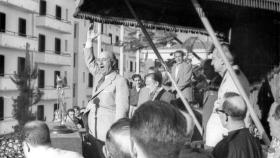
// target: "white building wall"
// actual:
[[16, 48], [12, 46]]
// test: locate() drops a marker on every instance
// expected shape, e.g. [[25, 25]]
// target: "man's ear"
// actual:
[[133, 151], [157, 83], [25, 146], [105, 151]]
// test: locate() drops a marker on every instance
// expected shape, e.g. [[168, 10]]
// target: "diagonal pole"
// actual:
[[164, 65], [217, 44]]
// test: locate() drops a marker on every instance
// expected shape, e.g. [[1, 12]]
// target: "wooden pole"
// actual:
[[121, 51], [99, 38], [165, 66], [138, 55], [217, 44]]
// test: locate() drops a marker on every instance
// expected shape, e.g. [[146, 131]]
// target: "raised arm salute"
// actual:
[[109, 100]]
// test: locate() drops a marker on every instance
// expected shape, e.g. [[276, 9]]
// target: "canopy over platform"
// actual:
[[172, 15], [254, 24]]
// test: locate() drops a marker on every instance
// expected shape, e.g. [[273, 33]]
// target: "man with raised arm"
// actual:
[[109, 100]]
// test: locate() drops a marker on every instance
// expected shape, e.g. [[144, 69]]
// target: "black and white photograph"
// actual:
[[139, 78]]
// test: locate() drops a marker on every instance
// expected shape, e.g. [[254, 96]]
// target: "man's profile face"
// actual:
[[217, 62], [151, 84], [104, 63], [178, 57]]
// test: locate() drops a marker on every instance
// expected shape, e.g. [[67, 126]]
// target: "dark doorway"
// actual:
[[40, 112], [43, 8], [1, 108], [41, 43], [2, 22], [22, 27], [41, 79], [58, 12]]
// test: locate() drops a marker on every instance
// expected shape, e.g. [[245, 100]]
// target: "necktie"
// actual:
[[152, 94], [102, 79]]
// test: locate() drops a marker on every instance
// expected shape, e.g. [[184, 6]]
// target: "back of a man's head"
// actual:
[[159, 129], [235, 106], [36, 133], [156, 76], [118, 139]]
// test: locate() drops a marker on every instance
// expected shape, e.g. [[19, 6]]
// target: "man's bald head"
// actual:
[[118, 139], [36, 133], [235, 106]]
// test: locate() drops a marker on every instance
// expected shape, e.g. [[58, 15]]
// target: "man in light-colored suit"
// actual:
[[37, 143], [109, 100], [214, 128], [182, 73]]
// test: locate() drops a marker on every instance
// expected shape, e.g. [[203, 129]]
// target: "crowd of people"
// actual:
[[149, 119]]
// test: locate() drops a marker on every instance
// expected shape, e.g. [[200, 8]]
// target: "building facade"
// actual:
[[47, 26]]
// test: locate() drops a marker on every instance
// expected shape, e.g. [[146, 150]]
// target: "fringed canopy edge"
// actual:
[[272, 5], [147, 24]]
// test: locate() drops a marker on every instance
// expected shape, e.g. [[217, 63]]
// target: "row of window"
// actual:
[[41, 78], [117, 40], [57, 44], [20, 70], [40, 110], [43, 10], [22, 32], [21, 24]]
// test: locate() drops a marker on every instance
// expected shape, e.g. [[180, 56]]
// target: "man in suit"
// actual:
[[134, 92], [182, 73], [155, 90], [214, 129], [37, 143], [109, 100], [239, 143]]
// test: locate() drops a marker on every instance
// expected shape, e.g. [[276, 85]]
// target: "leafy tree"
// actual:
[[28, 95]]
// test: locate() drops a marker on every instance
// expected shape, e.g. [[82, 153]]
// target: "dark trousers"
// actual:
[[92, 147]]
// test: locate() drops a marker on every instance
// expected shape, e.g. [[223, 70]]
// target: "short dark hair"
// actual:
[[157, 76], [76, 107], [159, 128], [36, 133], [155, 69], [70, 110], [119, 128], [136, 76], [179, 51], [231, 109]]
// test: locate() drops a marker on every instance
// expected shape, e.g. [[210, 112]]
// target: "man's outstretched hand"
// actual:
[[91, 34]]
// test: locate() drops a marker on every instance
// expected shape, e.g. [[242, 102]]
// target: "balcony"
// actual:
[[6, 84], [14, 40], [52, 23], [51, 93], [51, 58], [30, 6]]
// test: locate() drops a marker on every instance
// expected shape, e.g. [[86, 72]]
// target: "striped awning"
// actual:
[[273, 5]]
